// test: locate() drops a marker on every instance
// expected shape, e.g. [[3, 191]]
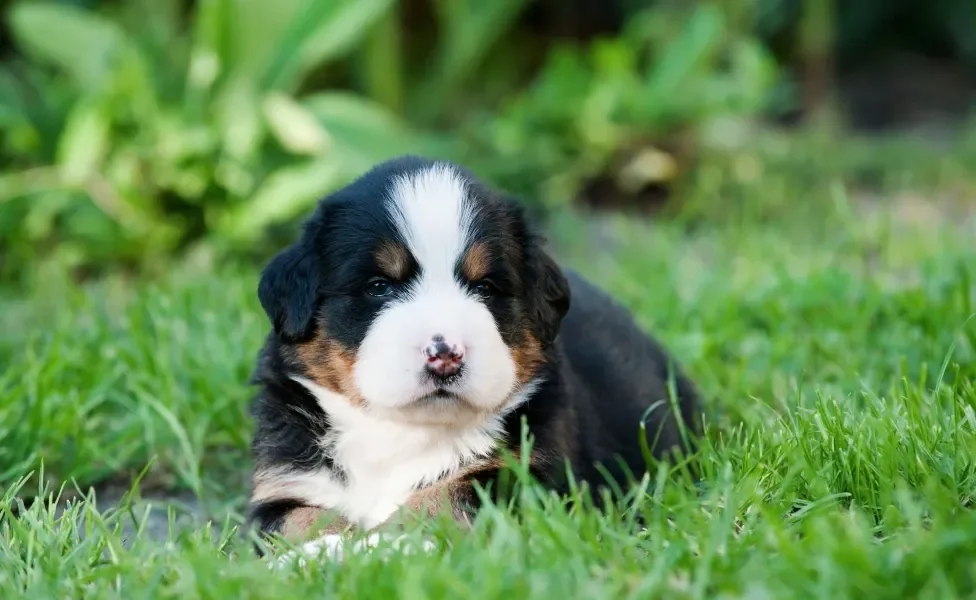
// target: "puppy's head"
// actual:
[[418, 293]]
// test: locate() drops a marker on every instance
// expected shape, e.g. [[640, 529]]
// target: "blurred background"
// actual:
[[138, 134]]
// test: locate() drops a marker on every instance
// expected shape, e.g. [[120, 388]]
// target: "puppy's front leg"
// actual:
[[303, 522], [456, 497], [315, 528]]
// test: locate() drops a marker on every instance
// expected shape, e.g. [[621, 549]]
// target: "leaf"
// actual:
[[78, 41], [365, 132], [17, 184], [211, 27], [210, 53], [285, 194], [321, 32], [11, 106], [84, 143], [43, 213], [699, 38], [294, 126], [238, 119], [248, 32], [755, 73], [276, 43], [471, 28]]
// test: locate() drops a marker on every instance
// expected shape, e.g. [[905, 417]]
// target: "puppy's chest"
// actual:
[[380, 464]]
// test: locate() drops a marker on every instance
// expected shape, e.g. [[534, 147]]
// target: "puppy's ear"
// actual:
[[549, 295], [289, 292]]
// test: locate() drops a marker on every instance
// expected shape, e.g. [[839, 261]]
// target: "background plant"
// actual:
[[627, 108], [151, 139], [135, 132]]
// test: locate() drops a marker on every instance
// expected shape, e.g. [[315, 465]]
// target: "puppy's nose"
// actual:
[[444, 357]]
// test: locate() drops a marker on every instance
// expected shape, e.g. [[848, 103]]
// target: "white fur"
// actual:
[[384, 459], [432, 211]]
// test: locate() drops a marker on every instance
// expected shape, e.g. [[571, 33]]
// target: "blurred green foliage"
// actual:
[[133, 131], [603, 109], [150, 136]]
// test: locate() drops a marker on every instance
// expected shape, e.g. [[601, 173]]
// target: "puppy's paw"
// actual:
[[335, 547], [330, 546], [405, 545], [400, 544]]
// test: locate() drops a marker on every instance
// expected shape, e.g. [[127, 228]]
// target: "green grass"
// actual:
[[834, 336]]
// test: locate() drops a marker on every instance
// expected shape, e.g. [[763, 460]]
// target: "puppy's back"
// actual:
[[619, 373]]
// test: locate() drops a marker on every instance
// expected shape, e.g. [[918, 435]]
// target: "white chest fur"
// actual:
[[385, 460]]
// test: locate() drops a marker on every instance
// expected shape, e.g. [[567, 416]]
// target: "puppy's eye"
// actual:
[[379, 287], [483, 289]]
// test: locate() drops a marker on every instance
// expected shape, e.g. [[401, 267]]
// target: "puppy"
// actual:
[[416, 322]]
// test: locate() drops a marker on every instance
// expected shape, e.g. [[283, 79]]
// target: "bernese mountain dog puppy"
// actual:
[[417, 322]]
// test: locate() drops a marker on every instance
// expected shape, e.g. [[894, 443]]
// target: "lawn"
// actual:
[[831, 329]]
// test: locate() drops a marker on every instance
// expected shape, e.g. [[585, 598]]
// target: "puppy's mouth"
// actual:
[[443, 382], [440, 389], [439, 396], [440, 407]]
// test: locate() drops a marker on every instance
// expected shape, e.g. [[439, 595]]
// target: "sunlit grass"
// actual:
[[837, 350]]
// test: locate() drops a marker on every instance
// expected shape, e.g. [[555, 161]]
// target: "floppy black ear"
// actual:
[[289, 292], [549, 294]]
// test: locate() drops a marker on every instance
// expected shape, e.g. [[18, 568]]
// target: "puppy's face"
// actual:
[[416, 293]]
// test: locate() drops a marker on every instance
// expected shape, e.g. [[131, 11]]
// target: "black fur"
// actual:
[[289, 290], [602, 373]]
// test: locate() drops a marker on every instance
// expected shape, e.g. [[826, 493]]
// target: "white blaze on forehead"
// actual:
[[432, 211]]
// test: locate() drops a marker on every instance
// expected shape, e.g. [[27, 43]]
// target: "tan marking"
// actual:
[[431, 501], [476, 263], [527, 357], [305, 522], [441, 496], [392, 259], [331, 366], [300, 522]]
